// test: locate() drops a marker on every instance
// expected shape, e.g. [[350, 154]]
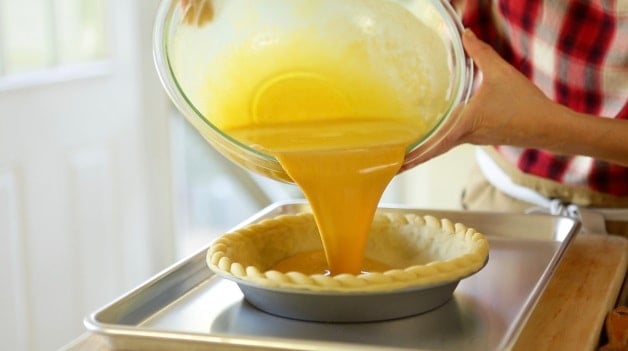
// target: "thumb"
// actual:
[[482, 54]]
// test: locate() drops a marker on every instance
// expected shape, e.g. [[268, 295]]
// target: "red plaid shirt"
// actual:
[[576, 51]]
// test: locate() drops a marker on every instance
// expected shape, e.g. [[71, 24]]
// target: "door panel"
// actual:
[[93, 196], [84, 185], [13, 302]]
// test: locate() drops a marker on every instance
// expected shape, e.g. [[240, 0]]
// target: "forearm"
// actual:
[[550, 126], [573, 133]]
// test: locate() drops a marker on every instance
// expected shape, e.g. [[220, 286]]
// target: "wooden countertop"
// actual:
[[569, 315]]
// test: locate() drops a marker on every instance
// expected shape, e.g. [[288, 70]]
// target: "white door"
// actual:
[[84, 164]]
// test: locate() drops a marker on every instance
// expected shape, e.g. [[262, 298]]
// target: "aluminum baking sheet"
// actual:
[[187, 307]]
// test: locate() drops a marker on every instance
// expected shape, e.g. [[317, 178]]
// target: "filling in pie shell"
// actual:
[[422, 251]]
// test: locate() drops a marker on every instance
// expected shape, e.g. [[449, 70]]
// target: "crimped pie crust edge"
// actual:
[[430, 274]]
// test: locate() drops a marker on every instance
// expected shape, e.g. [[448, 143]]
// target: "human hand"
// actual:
[[197, 12], [506, 108]]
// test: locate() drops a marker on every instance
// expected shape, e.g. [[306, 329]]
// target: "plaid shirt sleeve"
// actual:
[[577, 53]]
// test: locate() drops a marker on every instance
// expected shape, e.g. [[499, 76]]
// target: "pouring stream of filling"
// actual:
[[338, 114]]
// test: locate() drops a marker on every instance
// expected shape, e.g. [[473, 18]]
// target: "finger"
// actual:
[[482, 54], [188, 12], [197, 12], [206, 13]]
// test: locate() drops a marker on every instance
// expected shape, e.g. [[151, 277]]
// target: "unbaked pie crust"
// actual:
[[424, 250]]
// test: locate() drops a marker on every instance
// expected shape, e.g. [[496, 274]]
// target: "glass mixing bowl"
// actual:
[[397, 39]]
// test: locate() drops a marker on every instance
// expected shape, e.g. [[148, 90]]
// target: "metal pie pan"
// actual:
[[403, 296], [349, 306]]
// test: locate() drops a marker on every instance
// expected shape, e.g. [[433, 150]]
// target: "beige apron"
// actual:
[[509, 190]]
